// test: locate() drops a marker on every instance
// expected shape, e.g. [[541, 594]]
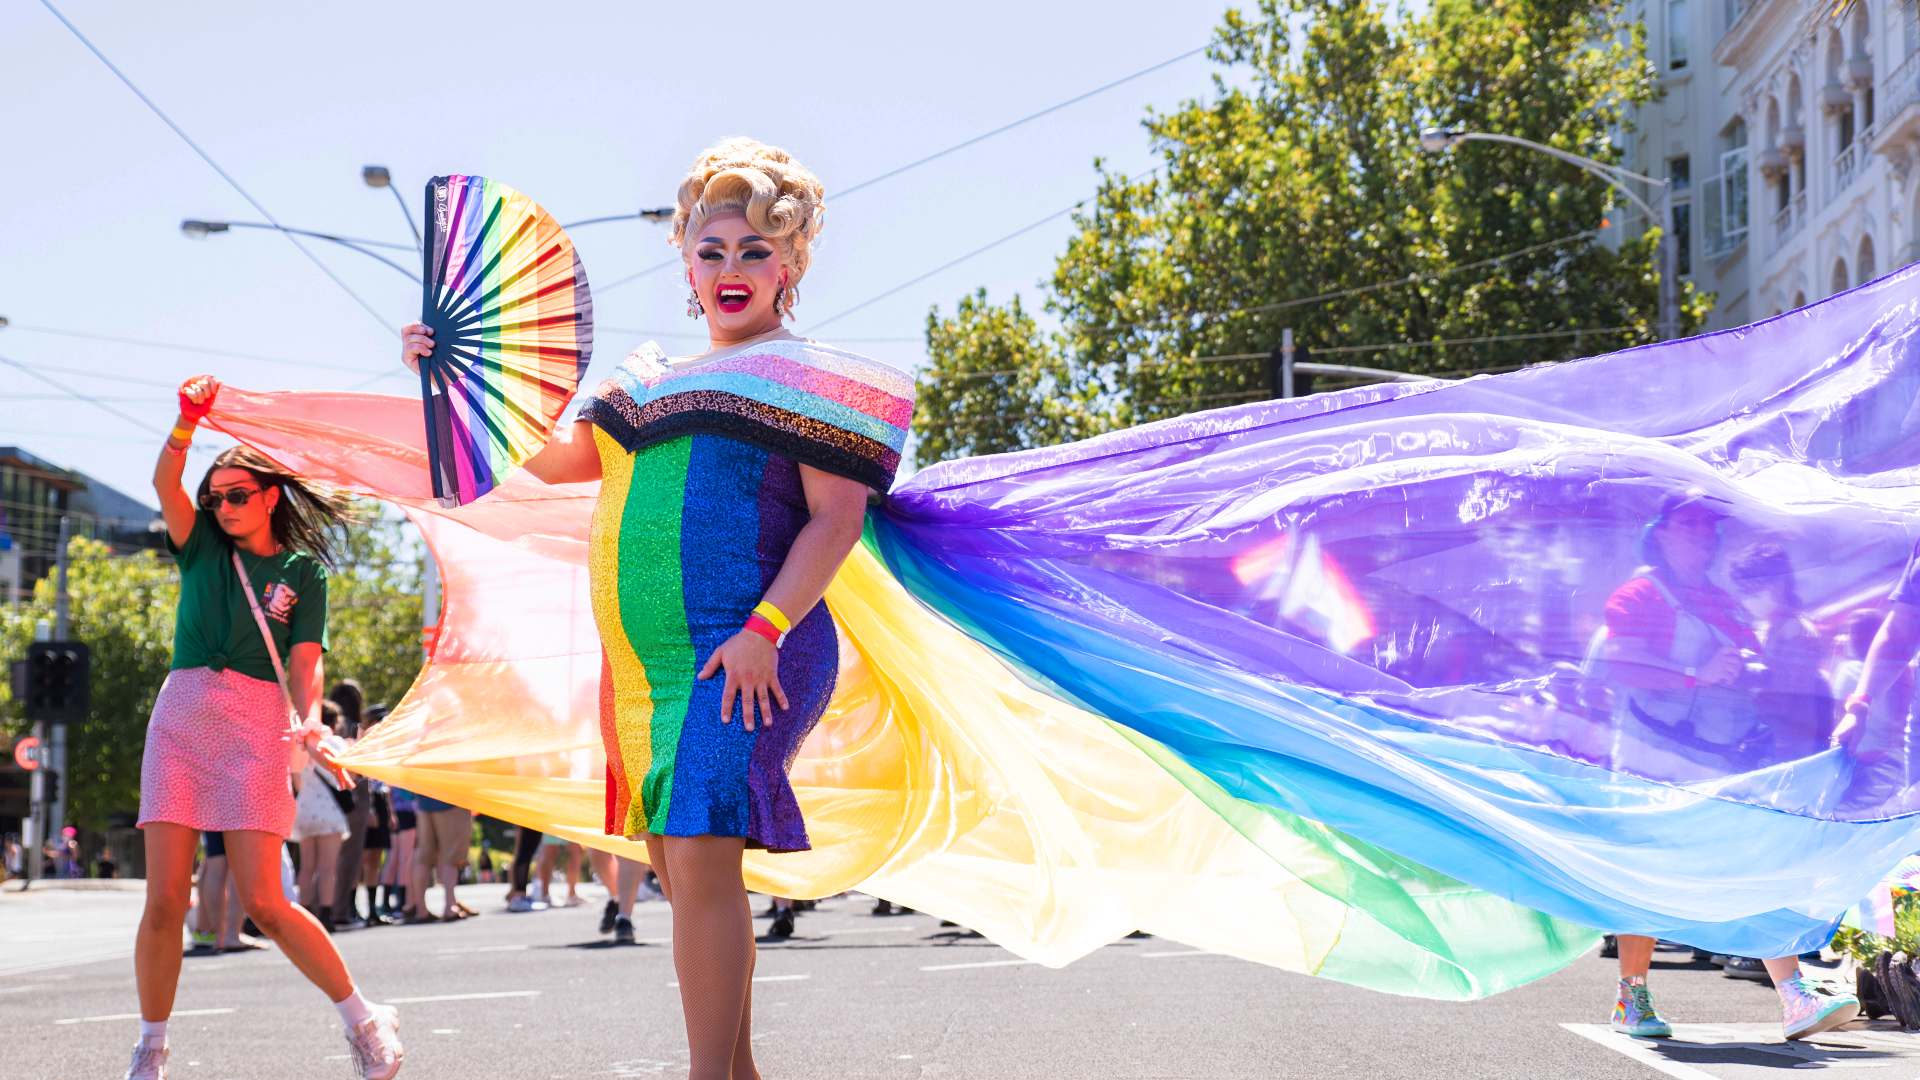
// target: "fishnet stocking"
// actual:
[[712, 950]]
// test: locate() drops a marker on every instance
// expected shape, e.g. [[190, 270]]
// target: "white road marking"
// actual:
[[980, 964], [19, 989], [462, 997], [1873, 1047], [761, 979], [136, 1016]]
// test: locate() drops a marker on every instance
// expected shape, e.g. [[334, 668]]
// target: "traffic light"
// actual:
[[58, 681]]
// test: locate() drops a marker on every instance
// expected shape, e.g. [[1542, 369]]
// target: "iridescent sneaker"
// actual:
[[375, 1045], [1634, 1013], [149, 1062], [1809, 1008]]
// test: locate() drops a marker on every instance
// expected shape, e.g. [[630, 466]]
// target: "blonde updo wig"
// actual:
[[780, 197]]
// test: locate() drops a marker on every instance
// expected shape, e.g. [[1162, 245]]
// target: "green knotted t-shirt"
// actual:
[[214, 626]]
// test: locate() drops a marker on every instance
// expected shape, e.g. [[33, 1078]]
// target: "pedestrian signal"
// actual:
[[59, 683]]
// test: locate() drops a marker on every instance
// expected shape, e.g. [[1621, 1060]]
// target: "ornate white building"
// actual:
[[1790, 129]]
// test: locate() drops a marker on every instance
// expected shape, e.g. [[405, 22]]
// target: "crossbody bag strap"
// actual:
[[266, 635]]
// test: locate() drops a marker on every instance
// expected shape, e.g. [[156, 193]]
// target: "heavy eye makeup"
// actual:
[[715, 254]]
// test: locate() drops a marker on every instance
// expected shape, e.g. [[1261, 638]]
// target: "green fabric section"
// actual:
[[1408, 929], [653, 611], [214, 627]]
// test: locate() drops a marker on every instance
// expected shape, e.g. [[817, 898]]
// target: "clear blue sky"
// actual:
[[592, 108]]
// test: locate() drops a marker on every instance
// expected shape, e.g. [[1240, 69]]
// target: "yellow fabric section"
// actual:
[[632, 695]]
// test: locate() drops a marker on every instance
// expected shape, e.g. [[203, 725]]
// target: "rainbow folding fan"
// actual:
[[512, 332]]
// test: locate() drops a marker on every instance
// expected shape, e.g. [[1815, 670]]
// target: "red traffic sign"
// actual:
[[26, 753]]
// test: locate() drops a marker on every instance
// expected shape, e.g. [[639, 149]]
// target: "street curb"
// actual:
[[11, 886]]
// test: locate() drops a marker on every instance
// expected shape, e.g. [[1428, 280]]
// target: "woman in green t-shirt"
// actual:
[[253, 550]]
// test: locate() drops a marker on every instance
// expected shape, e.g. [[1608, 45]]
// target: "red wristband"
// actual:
[[1862, 700], [758, 624], [195, 411]]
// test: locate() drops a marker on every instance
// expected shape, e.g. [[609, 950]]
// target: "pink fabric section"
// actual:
[[836, 388]]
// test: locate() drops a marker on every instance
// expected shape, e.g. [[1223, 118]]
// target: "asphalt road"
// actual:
[[544, 995]]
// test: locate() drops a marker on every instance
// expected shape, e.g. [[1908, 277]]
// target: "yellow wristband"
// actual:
[[184, 434], [774, 615]]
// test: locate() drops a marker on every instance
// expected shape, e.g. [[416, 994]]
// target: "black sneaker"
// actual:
[[782, 927], [883, 907], [608, 916], [622, 930], [1746, 967]]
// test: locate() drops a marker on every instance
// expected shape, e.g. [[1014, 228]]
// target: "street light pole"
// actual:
[[1435, 140], [195, 229]]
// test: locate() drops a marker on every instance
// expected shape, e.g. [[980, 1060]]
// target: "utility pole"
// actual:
[[1286, 362], [55, 738]]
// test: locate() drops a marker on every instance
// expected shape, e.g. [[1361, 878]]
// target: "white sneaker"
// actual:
[[375, 1044], [149, 1062]]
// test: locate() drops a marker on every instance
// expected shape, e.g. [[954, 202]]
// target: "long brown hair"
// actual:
[[307, 518]]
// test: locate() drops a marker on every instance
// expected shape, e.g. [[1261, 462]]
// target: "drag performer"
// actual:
[[239, 706], [733, 485]]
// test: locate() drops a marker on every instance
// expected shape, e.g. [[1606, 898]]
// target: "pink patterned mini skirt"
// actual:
[[216, 755]]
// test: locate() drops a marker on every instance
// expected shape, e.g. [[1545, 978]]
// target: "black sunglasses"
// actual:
[[232, 497]]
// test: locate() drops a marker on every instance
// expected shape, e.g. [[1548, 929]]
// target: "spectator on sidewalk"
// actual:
[[445, 834], [359, 805]]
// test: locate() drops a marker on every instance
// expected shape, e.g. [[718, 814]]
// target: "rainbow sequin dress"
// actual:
[[700, 501]]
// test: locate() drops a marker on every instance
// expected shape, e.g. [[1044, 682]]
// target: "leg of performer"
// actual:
[[372, 1030], [156, 950], [712, 948], [657, 858], [1808, 1008], [1633, 1011], [255, 862]]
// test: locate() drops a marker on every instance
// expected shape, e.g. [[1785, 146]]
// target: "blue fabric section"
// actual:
[[719, 532], [1567, 838], [778, 394]]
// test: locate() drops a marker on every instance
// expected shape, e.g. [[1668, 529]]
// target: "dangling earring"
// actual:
[[694, 310], [779, 299], [784, 300]]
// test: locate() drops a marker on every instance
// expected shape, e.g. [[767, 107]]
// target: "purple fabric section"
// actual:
[[1463, 556], [809, 663]]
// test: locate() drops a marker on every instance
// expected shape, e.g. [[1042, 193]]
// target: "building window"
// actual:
[[1676, 34]]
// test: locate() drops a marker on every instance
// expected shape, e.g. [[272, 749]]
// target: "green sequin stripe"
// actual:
[[654, 614]]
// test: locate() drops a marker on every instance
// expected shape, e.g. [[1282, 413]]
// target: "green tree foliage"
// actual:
[[1302, 176], [373, 610], [123, 607]]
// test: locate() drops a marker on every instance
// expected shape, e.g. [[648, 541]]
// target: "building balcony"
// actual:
[[1786, 223], [1747, 25], [1898, 106], [1846, 164]]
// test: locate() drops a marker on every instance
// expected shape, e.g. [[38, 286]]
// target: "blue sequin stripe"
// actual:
[[719, 534]]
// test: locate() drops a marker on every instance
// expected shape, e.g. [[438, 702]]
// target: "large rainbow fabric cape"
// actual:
[[1329, 684]]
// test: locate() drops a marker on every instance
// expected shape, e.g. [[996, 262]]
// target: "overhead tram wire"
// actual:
[[95, 373], [150, 343], [78, 396], [215, 166], [944, 267], [955, 148], [1410, 279]]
